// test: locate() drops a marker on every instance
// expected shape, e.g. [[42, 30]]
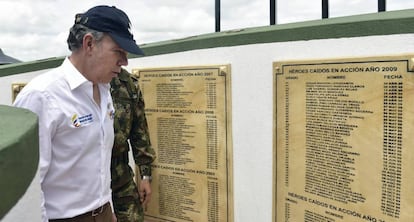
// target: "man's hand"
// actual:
[[144, 193]]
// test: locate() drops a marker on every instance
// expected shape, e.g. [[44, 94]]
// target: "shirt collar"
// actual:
[[72, 75]]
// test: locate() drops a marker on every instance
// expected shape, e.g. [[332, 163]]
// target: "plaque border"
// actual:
[[223, 70], [16, 88], [277, 69]]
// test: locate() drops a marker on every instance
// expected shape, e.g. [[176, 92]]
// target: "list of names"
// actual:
[[188, 119], [343, 140]]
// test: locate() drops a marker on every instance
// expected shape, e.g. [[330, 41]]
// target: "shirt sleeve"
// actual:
[[38, 103], [142, 150]]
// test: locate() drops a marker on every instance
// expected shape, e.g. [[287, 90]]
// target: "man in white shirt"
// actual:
[[76, 113]]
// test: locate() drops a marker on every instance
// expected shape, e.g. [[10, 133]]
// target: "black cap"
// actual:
[[112, 21]]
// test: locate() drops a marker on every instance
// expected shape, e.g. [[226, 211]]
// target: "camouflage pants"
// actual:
[[126, 202]]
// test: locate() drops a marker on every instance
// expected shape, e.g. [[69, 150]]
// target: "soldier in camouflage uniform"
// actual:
[[130, 124]]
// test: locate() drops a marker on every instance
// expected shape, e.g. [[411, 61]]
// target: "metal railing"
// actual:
[[325, 7], [325, 11]]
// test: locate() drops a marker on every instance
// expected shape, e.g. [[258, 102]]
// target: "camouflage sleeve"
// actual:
[[142, 151]]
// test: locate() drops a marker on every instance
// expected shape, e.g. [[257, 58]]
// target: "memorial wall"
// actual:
[[343, 138], [337, 167], [189, 117]]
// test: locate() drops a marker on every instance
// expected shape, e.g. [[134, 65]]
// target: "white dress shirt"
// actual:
[[76, 138]]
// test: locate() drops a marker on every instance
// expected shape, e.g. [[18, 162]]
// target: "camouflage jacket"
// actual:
[[129, 124]]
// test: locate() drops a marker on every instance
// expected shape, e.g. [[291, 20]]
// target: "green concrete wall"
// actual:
[[19, 154]]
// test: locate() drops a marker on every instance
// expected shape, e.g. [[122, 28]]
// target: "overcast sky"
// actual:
[[32, 30]]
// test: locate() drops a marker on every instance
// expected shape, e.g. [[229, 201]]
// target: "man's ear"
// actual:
[[88, 42]]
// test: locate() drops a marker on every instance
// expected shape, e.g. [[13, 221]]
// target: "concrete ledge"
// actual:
[[19, 154]]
